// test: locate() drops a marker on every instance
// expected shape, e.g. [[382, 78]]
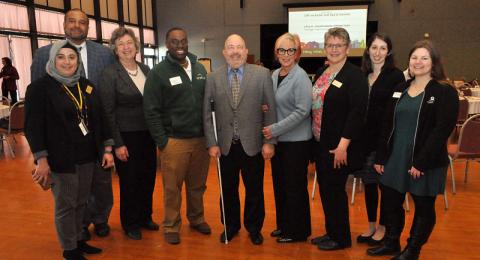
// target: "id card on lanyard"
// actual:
[[80, 107]]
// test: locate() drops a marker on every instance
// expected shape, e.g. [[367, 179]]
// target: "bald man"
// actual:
[[239, 90]]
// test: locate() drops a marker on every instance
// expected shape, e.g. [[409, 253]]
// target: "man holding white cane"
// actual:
[[239, 91]]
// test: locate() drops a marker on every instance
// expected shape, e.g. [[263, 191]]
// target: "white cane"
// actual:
[[219, 171]]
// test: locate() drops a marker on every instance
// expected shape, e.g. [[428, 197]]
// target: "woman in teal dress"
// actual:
[[412, 154]]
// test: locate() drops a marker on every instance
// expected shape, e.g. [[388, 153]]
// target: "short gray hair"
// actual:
[[337, 32], [119, 33]]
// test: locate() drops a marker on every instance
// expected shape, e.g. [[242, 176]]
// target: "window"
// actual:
[[130, 11], [107, 30], [85, 5], [50, 3], [148, 36], [147, 10], [109, 9], [14, 17], [18, 49], [49, 22]]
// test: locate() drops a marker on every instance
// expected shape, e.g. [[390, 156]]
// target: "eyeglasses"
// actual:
[[334, 46], [288, 52]]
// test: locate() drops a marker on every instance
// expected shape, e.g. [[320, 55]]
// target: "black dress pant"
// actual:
[[13, 94], [137, 179], [290, 186], [334, 197], [251, 169]]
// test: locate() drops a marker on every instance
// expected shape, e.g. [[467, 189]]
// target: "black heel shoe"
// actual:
[[364, 239], [276, 233]]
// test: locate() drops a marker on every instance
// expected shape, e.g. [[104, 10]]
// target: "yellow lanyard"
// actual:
[[78, 104]]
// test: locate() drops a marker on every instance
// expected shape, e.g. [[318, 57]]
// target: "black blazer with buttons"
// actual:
[[122, 101], [47, 122], [344, 112]]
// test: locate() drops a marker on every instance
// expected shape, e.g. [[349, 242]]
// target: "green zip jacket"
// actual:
[[172, 102]]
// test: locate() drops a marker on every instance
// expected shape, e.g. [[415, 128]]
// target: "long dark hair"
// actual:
[[437, 73], [8, 61], [389, 60]]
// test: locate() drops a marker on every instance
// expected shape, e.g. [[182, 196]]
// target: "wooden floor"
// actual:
[[27, 230]]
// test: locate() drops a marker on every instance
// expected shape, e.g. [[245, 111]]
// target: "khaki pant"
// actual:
[[184, 160]]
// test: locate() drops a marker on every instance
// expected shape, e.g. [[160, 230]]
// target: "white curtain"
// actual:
[[148, 36], [49, 22], [14, 17], [107, 29], [22, 59]]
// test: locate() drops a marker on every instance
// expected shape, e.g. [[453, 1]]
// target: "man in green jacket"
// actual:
[[173, 100]]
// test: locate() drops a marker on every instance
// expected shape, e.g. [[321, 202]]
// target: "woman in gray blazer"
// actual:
[[293, 90], [121, 90]]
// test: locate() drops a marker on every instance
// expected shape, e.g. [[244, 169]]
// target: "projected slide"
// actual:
[[311, 23]]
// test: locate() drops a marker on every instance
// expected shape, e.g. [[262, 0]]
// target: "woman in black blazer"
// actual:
[[412, 154], [121, 88], [339, 102], [67, 135], [10, 76], [378, 65]]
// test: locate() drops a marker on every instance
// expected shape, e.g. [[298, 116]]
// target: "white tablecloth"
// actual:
[[475, 92], [4, 111], [473, 105]]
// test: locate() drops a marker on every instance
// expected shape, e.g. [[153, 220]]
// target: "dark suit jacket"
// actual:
[[122, 101], [256, 89], [98, 57], [344, 112], [46, 127]]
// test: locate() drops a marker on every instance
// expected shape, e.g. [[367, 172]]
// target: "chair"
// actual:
[[462, 113], [468, 146], [15, 125], [5, 101], [207, 63], [467, 92]]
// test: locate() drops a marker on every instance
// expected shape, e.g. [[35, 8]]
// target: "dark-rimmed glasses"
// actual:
[[288, 52]]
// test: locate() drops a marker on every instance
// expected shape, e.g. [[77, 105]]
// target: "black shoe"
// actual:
[[88, 249], [73, 254], [230, 236], [383, 250], [150, 225], [317, 240], [408, 254], [134, 234], [276, 233], [363, 239], [329, 245], [374, 242], [102, 229], [86, 234], [256, 238], [283, 240]]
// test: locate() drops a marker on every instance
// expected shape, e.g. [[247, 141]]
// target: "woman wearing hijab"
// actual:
[[9, 75], [67, 135]]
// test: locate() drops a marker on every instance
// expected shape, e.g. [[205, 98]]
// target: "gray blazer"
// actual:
[[122, 101], [256, 89], [294, 102], [98, 57]]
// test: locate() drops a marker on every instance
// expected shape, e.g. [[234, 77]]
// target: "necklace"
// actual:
[[133, 74]]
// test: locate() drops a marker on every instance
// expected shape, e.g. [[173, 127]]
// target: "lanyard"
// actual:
[[78, 104]]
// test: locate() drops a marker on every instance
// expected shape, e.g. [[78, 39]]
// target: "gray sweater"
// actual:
[[294, 102]]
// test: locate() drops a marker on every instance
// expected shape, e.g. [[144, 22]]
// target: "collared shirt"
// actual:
[[83, 54], [239, 74], [188, 69]]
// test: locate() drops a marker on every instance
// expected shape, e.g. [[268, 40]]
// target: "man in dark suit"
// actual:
[[239, 91], [96, 57]]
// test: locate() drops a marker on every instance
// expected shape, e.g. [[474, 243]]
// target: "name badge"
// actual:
[[89, 89], [396, 94], [83, 127], [337, 84], [431, 100], [175, 80]]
